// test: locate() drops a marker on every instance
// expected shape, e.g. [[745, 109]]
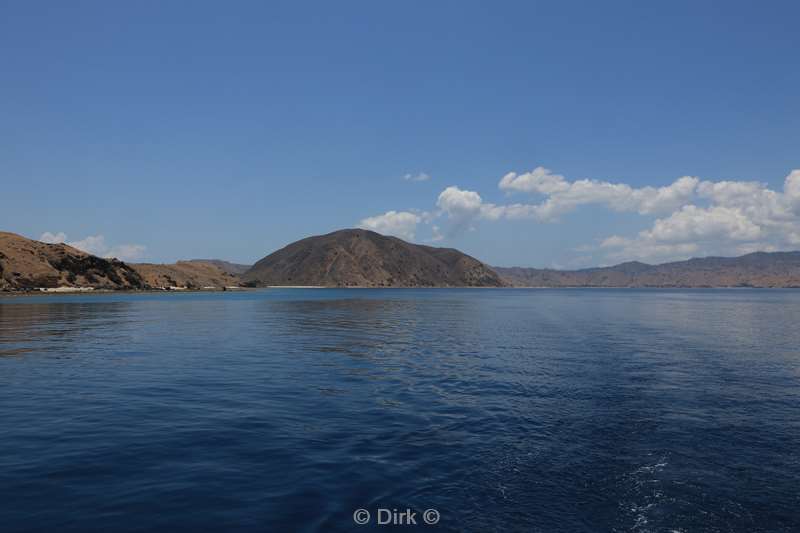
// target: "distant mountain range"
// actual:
[[760, 269], [361, 258]]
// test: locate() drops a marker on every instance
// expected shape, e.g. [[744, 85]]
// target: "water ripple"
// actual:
[[524, 410]]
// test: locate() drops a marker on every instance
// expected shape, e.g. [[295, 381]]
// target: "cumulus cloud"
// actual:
[[624, 249], [401, 224], [53, 238], [463, 207], [539, 180], [460, 204], [126, 252], [695, 217], [791, 188], [688, 217], [419, 176], [686, 232], [741, 217], [437, 234], [96, 245], [696, 223], [93, 244], [460, 207], [564, 196]]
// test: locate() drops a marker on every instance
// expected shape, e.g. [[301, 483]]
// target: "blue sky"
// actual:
[[167, 130]]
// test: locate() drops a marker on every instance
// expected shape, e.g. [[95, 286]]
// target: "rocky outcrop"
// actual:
[[28, 264]]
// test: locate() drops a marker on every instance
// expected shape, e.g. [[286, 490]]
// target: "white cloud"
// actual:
[[623, 249], [437, 234], [693, 223], [736, 216], [420, 176], [742, 217], [53, 238], [93, 244], [688, 217], [126, 252], [96, 245], [791, 188], [458, 203], [539, 180], [564, 196], [401, 224], [463, 208]]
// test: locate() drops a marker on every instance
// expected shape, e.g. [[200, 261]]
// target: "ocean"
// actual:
[[585, 410]]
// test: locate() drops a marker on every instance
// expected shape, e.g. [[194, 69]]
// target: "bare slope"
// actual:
[[27, 264], [191, 274], [234, 269], [361, 258]]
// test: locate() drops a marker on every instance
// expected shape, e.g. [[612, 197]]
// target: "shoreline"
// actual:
[[84, 291]]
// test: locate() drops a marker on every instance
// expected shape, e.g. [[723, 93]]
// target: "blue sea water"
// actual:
[[503, 410]]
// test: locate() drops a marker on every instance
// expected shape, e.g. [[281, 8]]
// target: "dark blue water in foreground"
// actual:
[[504, 410]]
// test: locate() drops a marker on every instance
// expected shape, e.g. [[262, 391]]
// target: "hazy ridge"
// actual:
[[760, 269]]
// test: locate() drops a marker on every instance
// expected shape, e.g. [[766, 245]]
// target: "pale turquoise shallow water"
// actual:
[[505, 410]]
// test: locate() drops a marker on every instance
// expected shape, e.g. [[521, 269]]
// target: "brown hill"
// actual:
[[190, 274], [234, 269], [760, 269], [361, 258], [28, 264]]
